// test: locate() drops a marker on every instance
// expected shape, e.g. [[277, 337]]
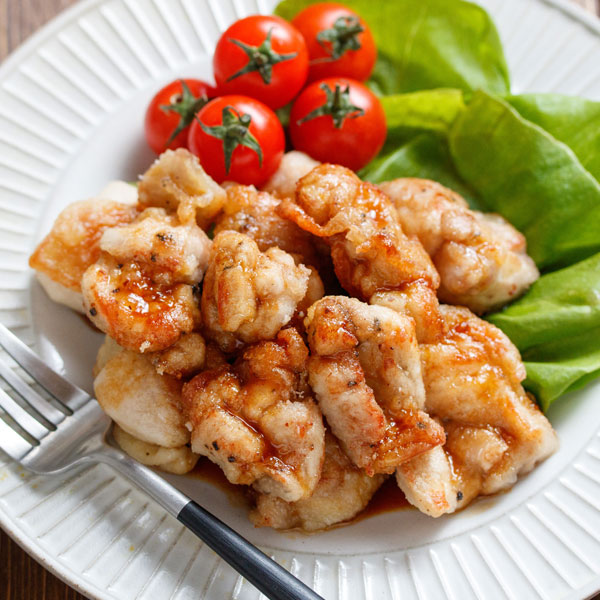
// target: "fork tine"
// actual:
[[31, 425], [12, 443], [64, 391], [37, 402]]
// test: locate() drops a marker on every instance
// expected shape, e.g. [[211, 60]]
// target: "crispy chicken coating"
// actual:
[[184, 358], [257, 419], [123, 301], [73, 243], [418, 301], [481, 258], [172, 460], [177, 182], [292, 167], [314, 291], [146, 408], [143, 403], [249, 295], [370, 252], [366, 373], [428, 482], [343, 491], [495, 431], [139, 291], [174, 252], [254, 213]]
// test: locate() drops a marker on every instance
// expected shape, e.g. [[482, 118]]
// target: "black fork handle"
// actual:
[[259, 569], [271, 579]]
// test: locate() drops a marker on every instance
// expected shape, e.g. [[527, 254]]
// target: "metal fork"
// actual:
[[56, 440]]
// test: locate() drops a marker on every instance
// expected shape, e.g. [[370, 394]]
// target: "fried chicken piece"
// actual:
[[314, 291], [495, 431], [172, 460], [415, 299], [370, 252], [123, 301], [143, 403], [149, 424], [481, 258], [428, 482], [140, 290], [73, 243], [184, 358], [366, 373], [343, 491], [177, 182], [174, 252], [249, 295], [254, 213], [257, 419], [292, 167], [107, 350]]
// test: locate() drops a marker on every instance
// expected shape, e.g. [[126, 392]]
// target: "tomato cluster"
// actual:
[[263, 63]]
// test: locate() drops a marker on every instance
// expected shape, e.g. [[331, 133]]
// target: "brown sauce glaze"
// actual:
[[206, 470], [388, 498]]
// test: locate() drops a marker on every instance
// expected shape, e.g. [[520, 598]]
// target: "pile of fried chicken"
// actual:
[[323, 340]]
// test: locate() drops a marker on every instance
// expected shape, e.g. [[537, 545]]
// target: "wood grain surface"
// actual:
[[21, 577]]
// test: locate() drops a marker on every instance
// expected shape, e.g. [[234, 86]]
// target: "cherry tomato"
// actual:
[[171, 112], [339, 42], [263, 57], [338, 120], [238, 139]]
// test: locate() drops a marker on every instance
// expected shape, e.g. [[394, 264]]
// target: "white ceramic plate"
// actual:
[[71, 106]]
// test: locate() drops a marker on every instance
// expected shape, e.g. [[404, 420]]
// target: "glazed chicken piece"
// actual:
[[292, 167], [179, 460], [257, 420], [254, 213], [366, 373], [186, 357], [140, 291], [73, 244], [176, 252], [495, 431], [177, 183], [123, 301], [146, 408], [249, 295], [343, 491], [314, 291], [370, 252], [481, 258], [418, 301]]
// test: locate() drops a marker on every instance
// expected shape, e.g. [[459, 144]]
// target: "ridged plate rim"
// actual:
[[28, 48]]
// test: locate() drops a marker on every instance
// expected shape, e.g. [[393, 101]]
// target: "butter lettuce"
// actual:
[[416, 145], [571, 120], [426, 156], [556, 326], [425, 44], [413, 113], [536, 182]]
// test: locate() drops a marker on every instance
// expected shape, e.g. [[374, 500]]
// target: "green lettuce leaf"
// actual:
[[556, 326], [426, 44], [416, 144], [573, 121], [410, 114], [536, 182], [426, 156]]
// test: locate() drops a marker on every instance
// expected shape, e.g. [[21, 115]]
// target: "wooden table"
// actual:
[[21, 577]]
